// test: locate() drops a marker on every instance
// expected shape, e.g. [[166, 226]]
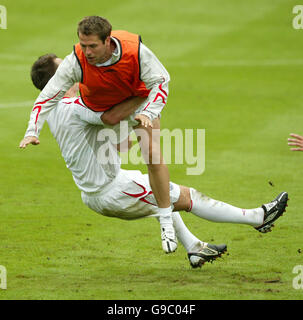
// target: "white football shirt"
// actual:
[[91, 157]]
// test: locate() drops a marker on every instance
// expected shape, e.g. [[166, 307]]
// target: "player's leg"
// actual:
[[149, 139], [198, 251], [129, 197], [217, 211]]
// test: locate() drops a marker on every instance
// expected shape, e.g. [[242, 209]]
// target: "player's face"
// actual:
[[94, 49]]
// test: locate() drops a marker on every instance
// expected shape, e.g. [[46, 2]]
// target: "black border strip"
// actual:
[[79, 63], [140, 41]]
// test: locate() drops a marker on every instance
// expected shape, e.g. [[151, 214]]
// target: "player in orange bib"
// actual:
[[111, 67], [103, 87]]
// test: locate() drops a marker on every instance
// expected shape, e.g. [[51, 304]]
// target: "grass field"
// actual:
[[236, 70]]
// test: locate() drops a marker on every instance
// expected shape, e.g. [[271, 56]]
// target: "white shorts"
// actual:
[[128, 197]]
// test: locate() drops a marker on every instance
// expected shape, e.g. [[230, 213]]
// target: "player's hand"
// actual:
[[29, 140], [297, 141], [144, 120]]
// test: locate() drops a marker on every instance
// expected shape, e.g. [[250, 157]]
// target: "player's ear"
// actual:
[[107, 41]]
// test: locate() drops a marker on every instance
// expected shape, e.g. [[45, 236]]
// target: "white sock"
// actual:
[[188, 240], [218, 211], [165, 217]]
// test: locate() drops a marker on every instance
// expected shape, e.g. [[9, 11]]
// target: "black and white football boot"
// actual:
[[169, 239], [272, 211], [208, 253]]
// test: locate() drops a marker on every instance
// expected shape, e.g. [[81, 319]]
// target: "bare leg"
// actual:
[[149, 140]]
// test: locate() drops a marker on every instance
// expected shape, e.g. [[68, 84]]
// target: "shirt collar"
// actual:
[[115, 56]]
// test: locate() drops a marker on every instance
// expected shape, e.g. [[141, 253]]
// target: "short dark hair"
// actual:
[[43, 70], [95, 25]]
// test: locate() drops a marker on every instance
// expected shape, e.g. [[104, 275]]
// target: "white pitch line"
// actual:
[[21, 104], [17, 57], [240, 63], [16, 67], [218, 63]]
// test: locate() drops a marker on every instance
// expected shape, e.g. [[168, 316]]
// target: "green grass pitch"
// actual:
[[236, 71]]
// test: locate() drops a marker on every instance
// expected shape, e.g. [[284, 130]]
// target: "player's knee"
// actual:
[[153, 167], [184, 202]]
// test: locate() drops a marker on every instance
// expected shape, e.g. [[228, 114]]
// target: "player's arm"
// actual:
[[66, 75], [122, 110], [156, 78], [297, 141]]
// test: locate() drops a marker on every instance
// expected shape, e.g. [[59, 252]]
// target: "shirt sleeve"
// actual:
[[90, 117], [68, 73], [156, 78]]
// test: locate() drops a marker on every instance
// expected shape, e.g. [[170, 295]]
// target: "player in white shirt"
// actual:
[[107, 51], [126, 194]]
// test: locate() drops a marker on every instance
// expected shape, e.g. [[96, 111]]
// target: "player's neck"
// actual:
[[111, 49], [112, 46]]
